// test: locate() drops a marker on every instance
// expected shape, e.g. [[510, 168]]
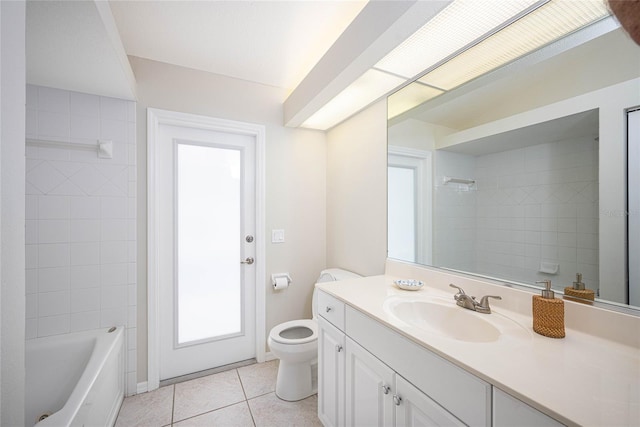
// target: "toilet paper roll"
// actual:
[[281, 283]]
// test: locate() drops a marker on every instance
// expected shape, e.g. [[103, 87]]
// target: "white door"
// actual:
[[205, 248]]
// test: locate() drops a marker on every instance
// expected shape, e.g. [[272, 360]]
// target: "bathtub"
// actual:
[[75, 379]]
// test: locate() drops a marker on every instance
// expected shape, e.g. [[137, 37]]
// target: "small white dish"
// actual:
[[409, 285]]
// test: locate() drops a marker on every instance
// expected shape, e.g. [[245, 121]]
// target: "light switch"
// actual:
[[277, 236]]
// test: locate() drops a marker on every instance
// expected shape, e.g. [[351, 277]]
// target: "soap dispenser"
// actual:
[[548, 313], [578, 290]]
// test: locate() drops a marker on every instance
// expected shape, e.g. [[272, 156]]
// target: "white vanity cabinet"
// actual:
[[331, 374], [509, 411], [378, 396], [465, 396], [417, 409], [370, 389], [371, 375], [331, 360]]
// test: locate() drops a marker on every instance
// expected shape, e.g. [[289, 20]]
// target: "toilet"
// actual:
[[295, 343]]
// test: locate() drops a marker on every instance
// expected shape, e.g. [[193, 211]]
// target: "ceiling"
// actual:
[[275, 43], [580, 125], [311, 49], [83, 45]]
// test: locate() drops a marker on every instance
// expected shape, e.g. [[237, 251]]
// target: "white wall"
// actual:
[[12, 297], [80, 217], [357, 192], [295, 180]]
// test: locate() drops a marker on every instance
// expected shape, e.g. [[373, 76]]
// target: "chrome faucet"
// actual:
[[470, 303]]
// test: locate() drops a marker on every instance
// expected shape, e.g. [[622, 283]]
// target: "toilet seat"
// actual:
[[276, 331]]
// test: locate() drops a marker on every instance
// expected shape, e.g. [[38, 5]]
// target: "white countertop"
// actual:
[[581, 379]]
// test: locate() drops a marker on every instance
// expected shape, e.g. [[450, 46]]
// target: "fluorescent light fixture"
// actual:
[[408, 97], [467, 39], [458, 25], [367, 88], [550, 22]]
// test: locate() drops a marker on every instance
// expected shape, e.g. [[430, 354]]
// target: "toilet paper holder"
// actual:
[[276, 276]]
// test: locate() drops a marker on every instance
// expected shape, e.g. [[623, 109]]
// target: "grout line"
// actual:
[[253, 420], [173, 403], [244, 392], [213, 410]]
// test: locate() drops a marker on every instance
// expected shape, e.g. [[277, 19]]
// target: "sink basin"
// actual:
[[445, 319]]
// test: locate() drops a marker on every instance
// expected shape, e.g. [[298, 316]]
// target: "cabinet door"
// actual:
[[509, 411], [369, 389], [415, 408], [331, 359]]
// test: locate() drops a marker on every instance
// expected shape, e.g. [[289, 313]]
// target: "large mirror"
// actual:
[[521, 174]]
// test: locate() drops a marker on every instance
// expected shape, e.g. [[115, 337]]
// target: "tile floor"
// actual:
[[239, 397]]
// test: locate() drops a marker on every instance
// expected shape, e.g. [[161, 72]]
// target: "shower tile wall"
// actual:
[[81, 218], [539, 204], [454, 218]]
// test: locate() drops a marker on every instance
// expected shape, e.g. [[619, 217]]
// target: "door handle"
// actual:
[[249, 261]]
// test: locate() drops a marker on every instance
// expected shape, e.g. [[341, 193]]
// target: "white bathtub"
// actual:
[[76, 379]]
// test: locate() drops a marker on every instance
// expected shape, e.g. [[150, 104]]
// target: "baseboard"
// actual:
[[142, 387]]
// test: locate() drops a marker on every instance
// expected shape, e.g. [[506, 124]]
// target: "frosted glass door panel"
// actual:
[[402, 213], [208, 292]]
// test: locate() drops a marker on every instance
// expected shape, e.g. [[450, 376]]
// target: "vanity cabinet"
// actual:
[[370, 388], [378, 396], [417, 409], [331, 374], [463, 395], [509, 411], [370, 375]]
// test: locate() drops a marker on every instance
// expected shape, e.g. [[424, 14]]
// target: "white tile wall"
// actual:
[[546, 201], [531, 205], [454, 240], [80, 213]]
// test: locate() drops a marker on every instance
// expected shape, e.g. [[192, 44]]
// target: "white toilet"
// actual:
[[295, 343]]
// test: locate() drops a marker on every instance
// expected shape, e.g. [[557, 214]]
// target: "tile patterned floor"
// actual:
[[240, 397]]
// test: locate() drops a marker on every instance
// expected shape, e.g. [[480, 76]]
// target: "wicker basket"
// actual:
[[548, 316]]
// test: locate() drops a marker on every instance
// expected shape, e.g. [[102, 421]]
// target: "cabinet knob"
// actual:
[[328, 309], [397, 399], [338, 348], [386, 389]]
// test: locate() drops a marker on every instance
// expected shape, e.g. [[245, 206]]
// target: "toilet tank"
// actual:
[[330, 275]]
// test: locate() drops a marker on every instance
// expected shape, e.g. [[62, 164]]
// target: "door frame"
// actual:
[[421, 162], [155, 118]]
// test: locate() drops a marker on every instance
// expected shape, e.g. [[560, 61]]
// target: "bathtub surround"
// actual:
[[81, 217], [12, 169]]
